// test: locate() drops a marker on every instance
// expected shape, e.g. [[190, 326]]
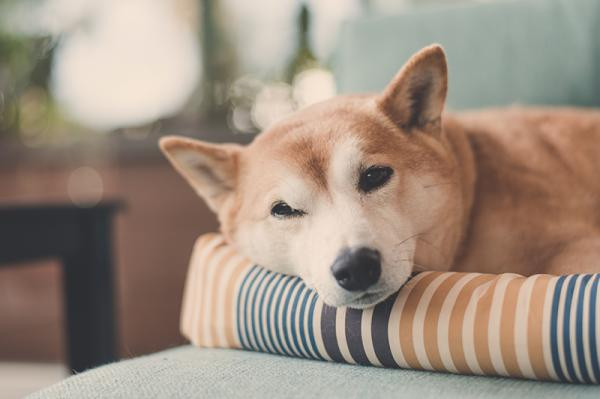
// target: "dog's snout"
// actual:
[[357, 269]]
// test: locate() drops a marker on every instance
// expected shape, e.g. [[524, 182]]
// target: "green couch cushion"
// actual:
[[188, 372], [499, 53]]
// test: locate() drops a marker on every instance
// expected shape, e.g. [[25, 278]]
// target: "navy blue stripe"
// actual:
[[286, 307], [274, 319], [354, 336], [260, 311], [242, 309], [311, 332], [328, 333], [249, 320], [278, 330], [303, 330], [253, 310], [379, 332], [567, 330], [246, 303], [293, 312], [593, 315], [554, 328], [579, 330]]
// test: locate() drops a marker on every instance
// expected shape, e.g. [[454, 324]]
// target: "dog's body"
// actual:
[[535, 204], [354, 193]]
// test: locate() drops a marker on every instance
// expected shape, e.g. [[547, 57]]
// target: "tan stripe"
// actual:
[[229, 308], [430, 324], [203, 293], [535, 341], [482, 321], [456, 322], [205, 255], [211, 267], [407, 318], [507, 327], [215, 302], [189, 292]]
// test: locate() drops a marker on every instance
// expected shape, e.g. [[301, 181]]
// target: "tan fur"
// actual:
[[537, 193], [506, 190]]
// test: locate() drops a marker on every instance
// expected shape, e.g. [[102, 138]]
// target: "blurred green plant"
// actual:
[[24, 70]]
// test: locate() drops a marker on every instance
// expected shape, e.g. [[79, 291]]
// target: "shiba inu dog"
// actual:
[[355, 193]]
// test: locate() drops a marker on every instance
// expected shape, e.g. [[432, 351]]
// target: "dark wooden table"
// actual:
[[81, 239]]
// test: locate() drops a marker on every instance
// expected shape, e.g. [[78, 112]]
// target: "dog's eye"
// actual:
[[282, 210], [374, 177]]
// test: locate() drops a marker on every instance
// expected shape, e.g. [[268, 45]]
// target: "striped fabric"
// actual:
[[541, 327]]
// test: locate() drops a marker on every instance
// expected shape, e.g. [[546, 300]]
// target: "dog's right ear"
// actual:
[[415, 97], [211, 169]]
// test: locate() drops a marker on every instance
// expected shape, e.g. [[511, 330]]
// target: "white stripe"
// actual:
[[572, 325], [586, 328], [317, 330], [340, 334], [206, 302], [560, 330], [289, 320], [521, 326], [367, 339], [418, 327], [468, 328], [547, 350], [494, 321], [443, 333], [394, 322], [201, 275]]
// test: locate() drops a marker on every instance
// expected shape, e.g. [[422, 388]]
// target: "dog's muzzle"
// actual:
[[357, 269]]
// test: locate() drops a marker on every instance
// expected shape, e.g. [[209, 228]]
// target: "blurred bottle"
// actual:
[[304, 58]]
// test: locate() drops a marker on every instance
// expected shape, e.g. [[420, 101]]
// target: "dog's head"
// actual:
[[340, 192]]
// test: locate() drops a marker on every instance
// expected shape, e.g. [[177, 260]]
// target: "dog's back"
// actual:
[[537, 188]]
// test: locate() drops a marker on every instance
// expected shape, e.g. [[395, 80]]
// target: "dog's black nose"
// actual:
[[357, 269]]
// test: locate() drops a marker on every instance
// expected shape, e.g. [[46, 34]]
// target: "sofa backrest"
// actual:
[[499, 53]]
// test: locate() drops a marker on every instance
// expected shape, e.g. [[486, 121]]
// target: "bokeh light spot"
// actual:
[[85, 187]]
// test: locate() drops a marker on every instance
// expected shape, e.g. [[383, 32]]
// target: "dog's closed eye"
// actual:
[[282, 210], [374, 177]]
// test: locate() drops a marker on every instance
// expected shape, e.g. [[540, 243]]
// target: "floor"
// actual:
[[20, 379]]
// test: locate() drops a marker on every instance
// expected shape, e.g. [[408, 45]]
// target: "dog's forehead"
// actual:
[[308, 141]]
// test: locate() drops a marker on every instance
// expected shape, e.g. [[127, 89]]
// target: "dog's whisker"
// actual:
[[430, 244], [408, 238], [417, 266]]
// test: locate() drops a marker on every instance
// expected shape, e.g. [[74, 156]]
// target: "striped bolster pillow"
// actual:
[[540, 327]]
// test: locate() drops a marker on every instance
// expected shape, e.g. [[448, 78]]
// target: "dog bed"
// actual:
[[540, 327]]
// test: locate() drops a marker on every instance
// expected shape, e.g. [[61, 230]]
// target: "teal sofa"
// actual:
[[504, 52], [190, 372], [499, 52]]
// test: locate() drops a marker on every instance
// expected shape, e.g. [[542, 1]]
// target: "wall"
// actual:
[[153, 239]]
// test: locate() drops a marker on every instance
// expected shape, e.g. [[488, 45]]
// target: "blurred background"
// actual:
[[87, 87]]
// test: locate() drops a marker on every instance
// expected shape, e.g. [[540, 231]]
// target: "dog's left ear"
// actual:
[[415, 97]]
